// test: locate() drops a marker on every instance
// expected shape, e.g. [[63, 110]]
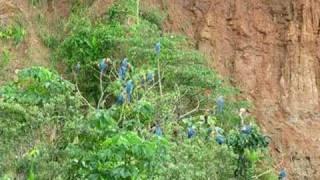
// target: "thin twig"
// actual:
[[149, 89], [190, 112], [177, 101], [79, 92], [266, 172]]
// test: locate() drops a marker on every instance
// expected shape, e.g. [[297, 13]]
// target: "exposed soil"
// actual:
[[270, 50], [31, 52]]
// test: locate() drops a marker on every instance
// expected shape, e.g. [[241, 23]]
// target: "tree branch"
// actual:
[[190, 112]]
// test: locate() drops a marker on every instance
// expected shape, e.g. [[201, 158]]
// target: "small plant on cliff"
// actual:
[[14, 32], [4, 57]]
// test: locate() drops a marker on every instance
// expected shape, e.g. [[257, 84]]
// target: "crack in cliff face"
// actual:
[[271, 49]]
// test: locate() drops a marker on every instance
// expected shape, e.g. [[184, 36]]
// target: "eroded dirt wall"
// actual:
[[270, 49]]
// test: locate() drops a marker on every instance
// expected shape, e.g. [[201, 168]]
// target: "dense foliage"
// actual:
[[158, 120], [15, 32]]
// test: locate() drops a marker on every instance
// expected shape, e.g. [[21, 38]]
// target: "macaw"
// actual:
[[191, 132], [124, 66], [77, 68], [219, 104], [246, 129], [158, 48], [129, 89]]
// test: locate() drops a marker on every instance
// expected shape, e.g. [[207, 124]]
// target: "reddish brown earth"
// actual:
[[31, 52], [269, 48]]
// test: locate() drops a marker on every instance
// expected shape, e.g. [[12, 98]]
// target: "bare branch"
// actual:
[[79, 92], [190, 112]]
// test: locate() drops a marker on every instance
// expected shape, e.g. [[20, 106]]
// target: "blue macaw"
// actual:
[[158, 48], [220, 139], [158, 131], [129, 89], [246, 129], [219, 130], [124, 66], [77, 68], [150, 77], [219, 104], [120, 99], [124, 62], [282, 174], [191, 132], [103, 65]]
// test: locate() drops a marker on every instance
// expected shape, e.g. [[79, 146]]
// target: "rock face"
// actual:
[[270, 49]]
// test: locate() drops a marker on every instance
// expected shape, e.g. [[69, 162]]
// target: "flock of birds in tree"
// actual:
[[126, 97]]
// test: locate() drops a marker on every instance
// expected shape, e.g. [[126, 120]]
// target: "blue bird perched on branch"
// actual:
[[219, 104], [246, 129], [282, 174], [150, 77], [147, 78], [191, 132], [129, 89], [220, 139], [158, 48], [77, 68], [103, 65], [219, 130], [158, 130], [120, 99], [124, 67]]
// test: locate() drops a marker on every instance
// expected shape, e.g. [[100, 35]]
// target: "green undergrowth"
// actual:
[[52, 128], [15, 33], [11, 36]]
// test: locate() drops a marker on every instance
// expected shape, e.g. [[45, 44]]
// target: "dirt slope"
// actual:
[[31, 51], [270, 48]]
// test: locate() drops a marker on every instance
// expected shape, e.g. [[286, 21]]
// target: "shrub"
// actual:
[[14, 32], [5, 57]]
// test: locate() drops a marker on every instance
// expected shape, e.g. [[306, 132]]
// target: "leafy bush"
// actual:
[[36, 86], [14, 32], [247, 147], [33, 108], [5, 57], [49, 40], [122, 156], [154, 16]]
